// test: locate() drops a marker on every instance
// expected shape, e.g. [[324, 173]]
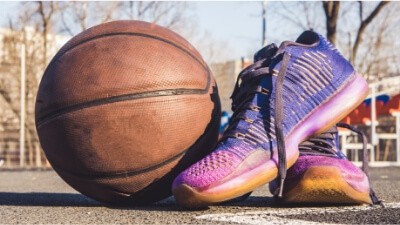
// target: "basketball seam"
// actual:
[[120, 98], [63, 51], [97, 176], [166, 92]]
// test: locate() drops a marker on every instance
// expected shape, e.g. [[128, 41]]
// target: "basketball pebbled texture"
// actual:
[[124, 107]]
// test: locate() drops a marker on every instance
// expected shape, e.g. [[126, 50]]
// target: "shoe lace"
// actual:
[[247, 84], [324, 144]]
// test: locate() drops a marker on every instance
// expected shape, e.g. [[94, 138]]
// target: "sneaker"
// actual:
[[322, 174], [287, 95]]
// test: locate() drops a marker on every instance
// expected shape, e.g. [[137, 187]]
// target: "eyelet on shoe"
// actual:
[[240, 136], [249, 120], [255, 108], [264, 91]]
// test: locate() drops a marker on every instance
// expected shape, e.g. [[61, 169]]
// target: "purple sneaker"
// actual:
[[289, 94], [322, 174]]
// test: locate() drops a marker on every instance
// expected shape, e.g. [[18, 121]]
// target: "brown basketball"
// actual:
[[124, 107]]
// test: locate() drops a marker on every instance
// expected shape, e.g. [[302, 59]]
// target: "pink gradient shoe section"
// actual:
[[209, 170]]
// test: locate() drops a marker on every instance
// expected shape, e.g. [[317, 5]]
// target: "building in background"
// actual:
[[225, 75], [36, 59]]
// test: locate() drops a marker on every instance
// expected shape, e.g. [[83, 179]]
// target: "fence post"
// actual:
[[22, 112], [38, 156], [373, 115], [397, 115]]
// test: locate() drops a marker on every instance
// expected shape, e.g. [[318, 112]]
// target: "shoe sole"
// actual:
[[325, 185], [346, 98]]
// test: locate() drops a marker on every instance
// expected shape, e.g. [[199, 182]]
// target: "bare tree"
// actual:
[[78, 16], [79, 13], [46, 11], [301, 14], [331, 9], [173, 15], [363, 25], [376, 58]]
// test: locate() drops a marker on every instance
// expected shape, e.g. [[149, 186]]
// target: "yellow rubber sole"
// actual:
[[325, 185]]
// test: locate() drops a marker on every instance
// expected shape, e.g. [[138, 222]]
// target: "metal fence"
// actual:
[[384, 139]]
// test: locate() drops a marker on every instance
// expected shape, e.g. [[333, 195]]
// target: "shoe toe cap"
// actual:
[[208, 170]]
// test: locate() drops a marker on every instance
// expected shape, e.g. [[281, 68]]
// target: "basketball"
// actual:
[[123, 108]]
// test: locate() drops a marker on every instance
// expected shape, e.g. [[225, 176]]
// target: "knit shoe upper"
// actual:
[[277, 102]]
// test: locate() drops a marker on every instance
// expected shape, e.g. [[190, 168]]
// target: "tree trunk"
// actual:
[[331, 9]]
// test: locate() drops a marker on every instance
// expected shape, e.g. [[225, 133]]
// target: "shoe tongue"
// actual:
[[266, 52], [335, 141], [333, 137], [336, 147], [308, 37]]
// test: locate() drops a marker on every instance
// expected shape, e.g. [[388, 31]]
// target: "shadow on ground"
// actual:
[[169, 204], [45, 199], [74, 200], [79, 200]]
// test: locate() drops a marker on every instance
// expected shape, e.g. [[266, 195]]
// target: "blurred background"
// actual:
[[227, 34]]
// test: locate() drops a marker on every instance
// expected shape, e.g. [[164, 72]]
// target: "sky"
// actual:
[[235, 25], [239, 25]]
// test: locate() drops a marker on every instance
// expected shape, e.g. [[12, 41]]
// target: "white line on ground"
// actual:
[[275, 215]]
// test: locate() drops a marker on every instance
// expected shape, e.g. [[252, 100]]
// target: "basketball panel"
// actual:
[[131, 27], [149, 187], [130, 65], [125, 136]]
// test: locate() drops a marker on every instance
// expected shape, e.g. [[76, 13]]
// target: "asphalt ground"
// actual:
[[41, 197]]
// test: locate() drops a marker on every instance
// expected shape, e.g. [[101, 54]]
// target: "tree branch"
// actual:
[[363, 25], [290, 12]]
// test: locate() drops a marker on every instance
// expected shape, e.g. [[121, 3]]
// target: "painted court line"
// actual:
[[276, 216]]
